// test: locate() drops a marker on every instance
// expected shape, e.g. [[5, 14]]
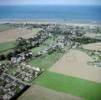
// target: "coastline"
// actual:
[[10, 35], [49, 21]]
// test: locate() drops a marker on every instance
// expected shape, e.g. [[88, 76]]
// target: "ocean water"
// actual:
[[63, 13]]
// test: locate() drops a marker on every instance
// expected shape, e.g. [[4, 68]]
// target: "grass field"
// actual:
[[87, 89], [4, 27], [46, 61], [35, 30], [6, 45], [37, 49]]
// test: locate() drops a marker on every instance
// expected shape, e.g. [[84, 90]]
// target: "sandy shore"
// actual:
[[53, 21]]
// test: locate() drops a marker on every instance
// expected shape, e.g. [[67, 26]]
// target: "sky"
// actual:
[[50, 2]]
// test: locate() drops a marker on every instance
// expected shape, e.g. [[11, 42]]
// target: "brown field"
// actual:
[[74, 63], [13, 34], [40, 93], [93, 46], [93, 35]]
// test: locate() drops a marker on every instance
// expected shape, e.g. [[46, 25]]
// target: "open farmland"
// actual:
[[4, 27], [93, 35], [69, 77], [47, 61], [41, 93], [85, 89], [13, 34], [74, 63], [6, 45], [93, 46]]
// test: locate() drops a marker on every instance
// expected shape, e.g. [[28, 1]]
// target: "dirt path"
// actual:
[[13, 34], [41, 93], [75, 64]]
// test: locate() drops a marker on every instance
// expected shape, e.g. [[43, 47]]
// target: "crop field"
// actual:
[[6, 46], [37, 92], [4, 27], [46, 61], [74, 63], [13, 34], [88, 90], [93, 35], [93, 46]]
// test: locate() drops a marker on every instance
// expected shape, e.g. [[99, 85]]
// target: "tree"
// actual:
[[30, 42], [21, 43], [10, 55], [2, 57]]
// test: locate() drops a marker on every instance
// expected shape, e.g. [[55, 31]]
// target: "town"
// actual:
[[16, 73]]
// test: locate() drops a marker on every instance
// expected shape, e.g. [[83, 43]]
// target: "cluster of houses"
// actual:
[[26, 72], [4, 67], [21, 57], [10, 87]]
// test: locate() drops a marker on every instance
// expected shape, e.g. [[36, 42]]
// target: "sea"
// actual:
[[51, 13]]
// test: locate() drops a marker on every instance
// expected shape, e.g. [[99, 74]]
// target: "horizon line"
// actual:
[[50, 4]]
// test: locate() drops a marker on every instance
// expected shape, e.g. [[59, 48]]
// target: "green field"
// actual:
[[46, 61], [6, 45], [35, 30], [4, 27], [37, 49], [87, 89]]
